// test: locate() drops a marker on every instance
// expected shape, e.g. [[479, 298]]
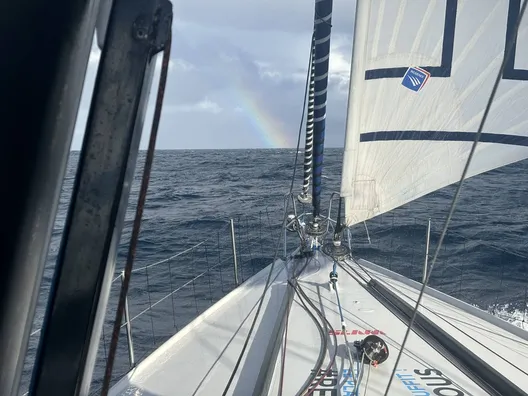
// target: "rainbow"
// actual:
[[271, 131]]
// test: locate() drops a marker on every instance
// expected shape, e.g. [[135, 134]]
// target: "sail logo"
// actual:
[[415, 78]]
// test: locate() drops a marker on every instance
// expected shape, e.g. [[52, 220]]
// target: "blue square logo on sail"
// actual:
[[415, 78]]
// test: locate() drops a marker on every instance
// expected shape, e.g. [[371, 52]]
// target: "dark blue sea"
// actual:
[[194, 193]]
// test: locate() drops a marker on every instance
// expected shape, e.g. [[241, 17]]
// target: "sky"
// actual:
[[237, 75]]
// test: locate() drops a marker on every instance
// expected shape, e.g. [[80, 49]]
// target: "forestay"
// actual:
[[422, 72]]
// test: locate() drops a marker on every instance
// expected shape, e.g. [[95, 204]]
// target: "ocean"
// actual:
[[194, 193]]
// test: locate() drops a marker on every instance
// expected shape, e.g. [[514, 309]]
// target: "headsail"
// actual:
[[422, 72]]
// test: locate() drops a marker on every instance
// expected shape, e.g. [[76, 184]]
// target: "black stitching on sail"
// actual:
[[446, 136]]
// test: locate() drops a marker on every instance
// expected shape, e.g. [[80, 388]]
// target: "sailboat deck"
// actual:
[[482, 333], [199, 359]]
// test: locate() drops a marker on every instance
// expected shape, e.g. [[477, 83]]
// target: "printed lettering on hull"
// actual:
[[418, 382], [428, 382], [325, 385], [356, 332], [328, 385]]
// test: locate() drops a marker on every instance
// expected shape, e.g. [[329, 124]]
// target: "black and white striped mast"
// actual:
[[305, 197], [320, 61]]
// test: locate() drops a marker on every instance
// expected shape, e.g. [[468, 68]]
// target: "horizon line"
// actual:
[[228, 149]]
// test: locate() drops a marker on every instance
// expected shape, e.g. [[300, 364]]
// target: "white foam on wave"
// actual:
[[514, 316]]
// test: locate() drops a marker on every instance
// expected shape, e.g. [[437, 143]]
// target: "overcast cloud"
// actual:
[[237, 74]]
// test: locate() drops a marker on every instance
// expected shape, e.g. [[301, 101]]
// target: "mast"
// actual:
[[323, 27], [45, 60], [305, 196]]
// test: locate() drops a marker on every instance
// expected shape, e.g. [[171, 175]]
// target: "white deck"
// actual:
[[200, 358]]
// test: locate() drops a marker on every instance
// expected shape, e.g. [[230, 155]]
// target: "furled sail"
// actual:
[[422, 73]]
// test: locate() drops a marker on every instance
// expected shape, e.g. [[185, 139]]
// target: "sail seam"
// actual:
[[450, 136], [448, 43], [510, 72]]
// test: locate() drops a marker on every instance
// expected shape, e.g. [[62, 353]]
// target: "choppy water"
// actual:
[[193, 193]]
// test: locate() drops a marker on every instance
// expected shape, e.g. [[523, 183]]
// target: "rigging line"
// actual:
[[370, 276], [307, 391], [301, 270], [342, 265], [360, 375], [343, 324], [368, 377], [361, 267], [392, 342], [283, 363], [227, 345], [362, 367], [458, 328], [349, 355], [139, 212], [324, 342], [507, 53], [277, 245], [318, 17], [495, 333]]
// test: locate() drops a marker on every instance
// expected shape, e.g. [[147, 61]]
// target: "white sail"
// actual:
[[409, 131]]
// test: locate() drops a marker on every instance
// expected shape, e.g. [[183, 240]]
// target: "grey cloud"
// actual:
[[264, 15], [242, 59]]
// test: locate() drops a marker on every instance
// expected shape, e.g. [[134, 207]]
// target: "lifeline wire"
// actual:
[[507, 53], [272, 266]]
